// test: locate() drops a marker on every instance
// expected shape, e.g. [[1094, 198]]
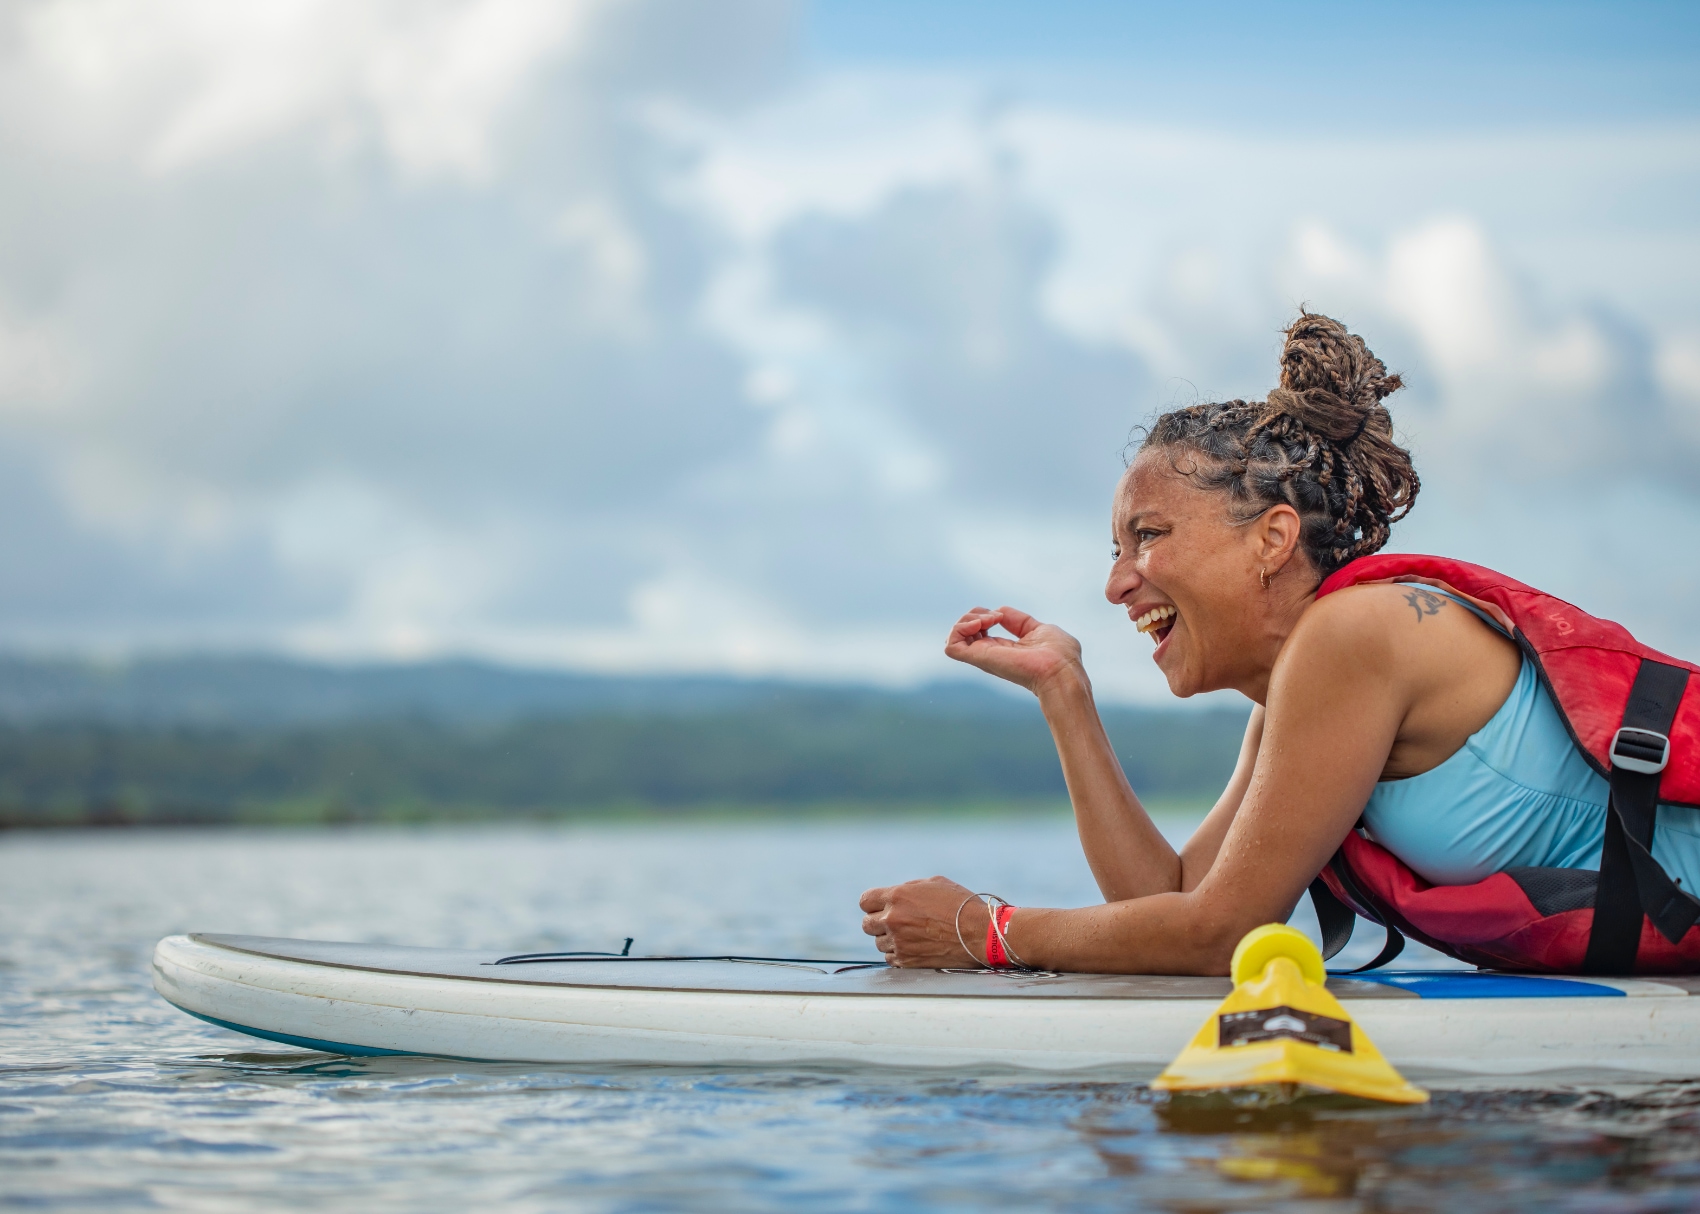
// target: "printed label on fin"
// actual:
[[1277, 1023]]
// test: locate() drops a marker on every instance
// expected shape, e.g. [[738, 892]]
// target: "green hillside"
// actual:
[[194, 756]]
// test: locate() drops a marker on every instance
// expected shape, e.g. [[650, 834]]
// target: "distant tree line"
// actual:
[[802, 751]]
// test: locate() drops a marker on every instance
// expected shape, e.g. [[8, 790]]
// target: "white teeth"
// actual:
[[1153, 618]]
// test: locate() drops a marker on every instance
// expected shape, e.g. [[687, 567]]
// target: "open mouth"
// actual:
[[1157, 622]]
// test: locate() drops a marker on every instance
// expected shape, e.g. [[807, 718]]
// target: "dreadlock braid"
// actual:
[[1322, 442]]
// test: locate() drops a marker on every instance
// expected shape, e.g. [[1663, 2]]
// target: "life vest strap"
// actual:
[[1333, 917], [1336, 920], [1632, 883]]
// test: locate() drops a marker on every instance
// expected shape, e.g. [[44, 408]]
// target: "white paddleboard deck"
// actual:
[[365, 999]]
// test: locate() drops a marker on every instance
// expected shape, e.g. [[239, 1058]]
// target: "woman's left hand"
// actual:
[[915, 924]]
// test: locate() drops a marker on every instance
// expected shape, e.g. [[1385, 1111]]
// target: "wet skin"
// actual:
[[1371, 683]]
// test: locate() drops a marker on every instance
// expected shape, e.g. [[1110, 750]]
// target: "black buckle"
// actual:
[[1640, 750]]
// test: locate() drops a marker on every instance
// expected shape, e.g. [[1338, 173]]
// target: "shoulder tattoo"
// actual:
[[1425, 602]]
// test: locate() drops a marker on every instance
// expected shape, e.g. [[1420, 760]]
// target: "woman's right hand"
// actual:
[[1035, 654]]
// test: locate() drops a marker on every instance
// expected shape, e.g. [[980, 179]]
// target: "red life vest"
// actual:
[[1635, 715]]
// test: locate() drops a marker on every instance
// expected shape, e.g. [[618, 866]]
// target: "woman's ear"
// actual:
[[1277, 536]]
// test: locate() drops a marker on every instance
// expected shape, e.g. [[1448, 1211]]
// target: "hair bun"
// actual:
[[1330, 380]]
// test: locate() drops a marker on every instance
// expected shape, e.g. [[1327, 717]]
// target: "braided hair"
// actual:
[[1322, 443]]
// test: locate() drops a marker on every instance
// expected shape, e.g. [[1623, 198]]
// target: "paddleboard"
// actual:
[[373, 999]]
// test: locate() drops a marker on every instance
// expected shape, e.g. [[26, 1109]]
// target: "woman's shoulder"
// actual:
[[1389, 629], [1366, 612], [1392, 624]]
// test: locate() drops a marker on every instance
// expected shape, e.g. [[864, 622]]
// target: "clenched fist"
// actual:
[[915, 924]]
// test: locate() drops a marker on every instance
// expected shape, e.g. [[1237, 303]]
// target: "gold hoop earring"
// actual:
[[1263, 576]]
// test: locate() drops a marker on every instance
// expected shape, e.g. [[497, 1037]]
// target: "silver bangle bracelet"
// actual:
[[994, 904]]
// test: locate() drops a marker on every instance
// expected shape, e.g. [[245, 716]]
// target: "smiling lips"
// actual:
[[1156, 621]]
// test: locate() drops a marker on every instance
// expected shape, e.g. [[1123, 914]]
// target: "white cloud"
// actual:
[[36, 370], [190, 80], [1679, 366], [1441, 281], [838, 147], [562, 333]]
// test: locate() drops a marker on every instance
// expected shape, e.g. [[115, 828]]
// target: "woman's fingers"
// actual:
[[875, 903], [971, 636], [974, 625], [1019, 623]]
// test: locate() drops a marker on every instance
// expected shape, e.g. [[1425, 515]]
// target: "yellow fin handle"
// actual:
[[1261, 945]]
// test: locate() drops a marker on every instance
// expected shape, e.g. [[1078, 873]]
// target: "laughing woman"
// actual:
[[1404, 720]]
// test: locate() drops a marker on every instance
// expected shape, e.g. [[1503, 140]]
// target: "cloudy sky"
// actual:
[[762, 337]]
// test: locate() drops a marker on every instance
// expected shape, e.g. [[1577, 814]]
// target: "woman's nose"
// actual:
[[1123, 582]]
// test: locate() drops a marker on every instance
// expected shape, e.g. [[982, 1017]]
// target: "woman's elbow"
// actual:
[[1214, 935]]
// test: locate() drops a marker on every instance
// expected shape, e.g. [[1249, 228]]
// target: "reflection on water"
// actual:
[[1488, 1150], [111, 1099]]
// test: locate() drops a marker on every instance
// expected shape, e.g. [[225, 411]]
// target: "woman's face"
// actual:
[[1188, 577]]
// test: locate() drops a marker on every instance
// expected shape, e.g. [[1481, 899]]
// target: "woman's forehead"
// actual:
[[1148, 484]]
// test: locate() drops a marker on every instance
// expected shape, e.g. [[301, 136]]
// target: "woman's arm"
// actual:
[[1206, 842], [1128, 855], [1336, 701]]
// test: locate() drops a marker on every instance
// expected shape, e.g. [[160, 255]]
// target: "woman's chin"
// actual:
[[1172, 660], [1171, 663]]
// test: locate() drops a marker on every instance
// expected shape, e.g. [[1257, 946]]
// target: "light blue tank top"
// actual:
[[1518, 792]]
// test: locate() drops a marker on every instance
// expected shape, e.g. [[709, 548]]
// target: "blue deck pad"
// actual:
[[306, 1043], [1473, 984]]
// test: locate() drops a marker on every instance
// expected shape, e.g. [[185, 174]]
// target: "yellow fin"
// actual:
[[1281, 1026]]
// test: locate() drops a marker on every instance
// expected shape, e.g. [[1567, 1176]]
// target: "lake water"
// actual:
[[111, 1100]]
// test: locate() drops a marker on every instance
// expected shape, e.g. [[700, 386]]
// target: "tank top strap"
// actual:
[[1474, 610]]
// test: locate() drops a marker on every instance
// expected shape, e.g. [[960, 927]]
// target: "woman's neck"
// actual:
[[1269, 639]]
